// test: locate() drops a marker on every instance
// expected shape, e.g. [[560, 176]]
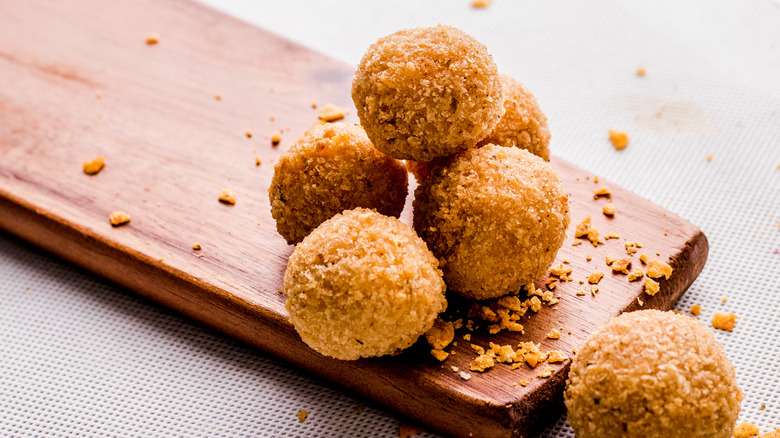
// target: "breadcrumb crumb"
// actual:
[[152, 39], [595, 277], [248, 133], [696, 310], [640, 71], [94, 166], [330, 113], [197, 247], [619, 139], [745, 430], [554, 334], [556, 356], [440, 335], [608, 209], [227, 197], [724, 321], [118, 218], [657, 268], [602, 191], [302, 414], [480, 3], [651, 287], [635, 274], [440, 355], [276, 138], [621, 265]]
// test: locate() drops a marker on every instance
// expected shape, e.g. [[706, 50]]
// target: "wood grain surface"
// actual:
[[80, 81]]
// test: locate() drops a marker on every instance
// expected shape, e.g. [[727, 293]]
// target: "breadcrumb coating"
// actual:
[[331, 168], [495, 217], [427, 92], [362, 284], [652, 374], [523, 125]]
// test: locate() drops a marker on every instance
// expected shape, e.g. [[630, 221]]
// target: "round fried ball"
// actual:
[[333, 167], [362, 284], [494, 216], [652, 374], [427, 92], [524, 125]]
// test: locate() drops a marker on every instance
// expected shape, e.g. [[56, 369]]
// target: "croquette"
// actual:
[[362, 284], [523, 125], [331, 168], [495, 217], [427, 92], [652, 374]]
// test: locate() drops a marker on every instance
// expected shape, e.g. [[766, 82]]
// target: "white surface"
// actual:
[[80, 357]]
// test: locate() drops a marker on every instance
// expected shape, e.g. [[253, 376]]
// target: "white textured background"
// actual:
[[82, 358]]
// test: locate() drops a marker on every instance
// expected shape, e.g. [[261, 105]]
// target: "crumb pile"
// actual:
[[333, 167], [652, 374], [362, 284], [495, 217], [427, 92]]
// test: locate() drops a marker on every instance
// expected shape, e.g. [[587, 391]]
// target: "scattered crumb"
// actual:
[[257, 161], [440, 355], [612, 236], [643, 258], [248, 133], [588, 258], [724, 321], [745, 430], [546, 372], [595, 277], [554, 334], [657, 268], [524, 382], [621, 265], [152, 39], [94, 166], [630, 248], [556, 356], [197, 247], [480, 3], [696, 310], [302, 414], [584, 229], [276, 138], [608, 209], [640, 302], [440, 335], [218, 96], [330, 113], [619, 139], [640, 71], [651, 287], [602, 191], [227, 197], [724, 299], [464, 375], [118, 218], [709, 157], [482, 363], [635, 274], [560, 270], [407, 430], [314, 105]]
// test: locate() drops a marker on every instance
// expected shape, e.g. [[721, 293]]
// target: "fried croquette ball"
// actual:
[[524, 125], [427, 92], [652, 374], [333, 167], [362, 284], [494, 216]]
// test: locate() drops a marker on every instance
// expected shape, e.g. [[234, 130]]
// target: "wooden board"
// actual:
[[81, 82]]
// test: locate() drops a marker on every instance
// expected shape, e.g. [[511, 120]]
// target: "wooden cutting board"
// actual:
[[81, 81]]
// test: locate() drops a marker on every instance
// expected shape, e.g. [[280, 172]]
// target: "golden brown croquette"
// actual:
[[652, 374], [495, 217], [523, 125], [427, 92], [362, 284], [331, 168]]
